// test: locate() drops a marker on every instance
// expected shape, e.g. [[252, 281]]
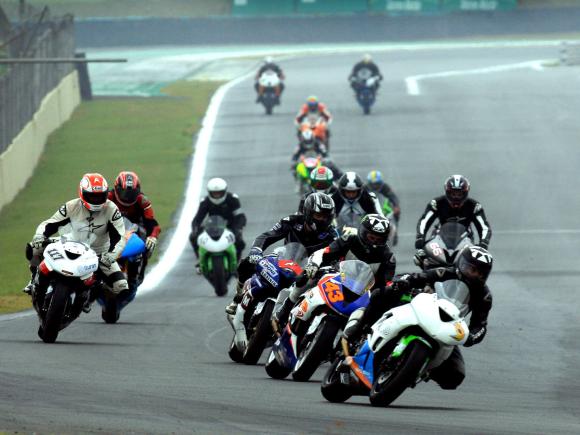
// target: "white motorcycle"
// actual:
[[217, 253], [406, 343], [269, 88], [70, 265]]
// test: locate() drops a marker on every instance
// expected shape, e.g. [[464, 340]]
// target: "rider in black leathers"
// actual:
[[352, 193], [454, 206], [313, 229], [369, 245], [358, 72], [225, 204], [473, 267]]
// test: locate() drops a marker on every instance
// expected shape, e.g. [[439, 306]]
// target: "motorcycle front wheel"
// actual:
[[55, 313], [219, 276], [331, 388], [262, 333]]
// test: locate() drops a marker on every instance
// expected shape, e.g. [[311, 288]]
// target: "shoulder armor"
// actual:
[[62, 210], [434, 204], [477, 208], [235, 195]]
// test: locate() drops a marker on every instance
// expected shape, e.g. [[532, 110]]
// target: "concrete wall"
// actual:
[[17, 163]]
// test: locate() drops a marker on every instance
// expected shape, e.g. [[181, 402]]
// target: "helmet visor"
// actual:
[[351, 194], [456, 197], [95, 198], [322, 220], [374, 239], [217, 195], [471, 272], [312, 106], [127, 196]]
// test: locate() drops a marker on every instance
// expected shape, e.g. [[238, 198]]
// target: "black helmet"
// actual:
[[374, 230], [350, 186], [474, 265], [456, 190], [318, 211]]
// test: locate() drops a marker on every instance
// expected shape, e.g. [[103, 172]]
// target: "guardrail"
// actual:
[[23, 86], [570, 53]]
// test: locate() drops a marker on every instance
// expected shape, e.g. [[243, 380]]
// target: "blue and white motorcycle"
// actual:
[[252, 321], [315, 322], [366, 90]]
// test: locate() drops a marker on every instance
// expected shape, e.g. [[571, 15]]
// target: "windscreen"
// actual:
[[452, 233], [456, 292], [357, 276]]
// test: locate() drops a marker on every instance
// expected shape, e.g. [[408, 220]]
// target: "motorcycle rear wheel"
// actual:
[[331, 388], [388, 386], [55, 313], [259, 339]]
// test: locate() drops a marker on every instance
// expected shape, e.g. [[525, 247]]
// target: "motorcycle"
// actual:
[[269, 88], [316, 320], [307, 162], [130, 262], [71, 266], [446, 242], [318, 125], [366, 92], [217, 253], [405, 345], [274, 273]]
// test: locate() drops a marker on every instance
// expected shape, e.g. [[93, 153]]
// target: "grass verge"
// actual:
[[151, 136]]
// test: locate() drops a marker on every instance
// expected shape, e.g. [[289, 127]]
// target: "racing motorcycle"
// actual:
[[405, 345], [274, 273], [307, 162], [269, 88], [130, 261], [318, 125], [366, 92], [71, 266], [217, 253], [313, 329], [446, 242]]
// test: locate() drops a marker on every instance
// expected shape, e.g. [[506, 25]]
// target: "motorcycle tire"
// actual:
[[55, 312], [366, 109], [234, 354], [317, 350], [268, 109], [262, 334], [388, 386], [331, 388], [110, 312], [275, 370], [219, 276]]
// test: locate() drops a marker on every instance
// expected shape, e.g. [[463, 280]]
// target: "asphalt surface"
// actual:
[[164, 367]]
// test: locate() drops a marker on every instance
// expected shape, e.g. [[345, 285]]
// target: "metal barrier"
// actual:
[[23, 86], [570, 53]]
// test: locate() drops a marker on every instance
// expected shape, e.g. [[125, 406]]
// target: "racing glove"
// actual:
[[310, 270], [107, 259], [255, 255], [475, 336], [150, 244], [37, 241], [419, 257]]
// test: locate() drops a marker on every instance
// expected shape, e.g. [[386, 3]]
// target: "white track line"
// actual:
[[192, 196], [414, 89]]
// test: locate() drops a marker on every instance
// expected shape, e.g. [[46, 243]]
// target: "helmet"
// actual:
[[456, 190], [127, 188], [374, 230], [375, 180], [312, 103], [367, 58], [268, 59], [93, 191], [350, 186], [216, 189], [307, 137], [474, 265], [321, 178], [318, 211]]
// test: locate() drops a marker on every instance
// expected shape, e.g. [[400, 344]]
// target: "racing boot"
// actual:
[[280, 317], [28, 288], [231, 307], [240, 337]]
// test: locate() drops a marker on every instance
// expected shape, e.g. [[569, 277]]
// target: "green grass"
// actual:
[[150, 136], [123, 8]]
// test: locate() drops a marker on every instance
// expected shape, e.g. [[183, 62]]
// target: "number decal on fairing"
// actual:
[[54, 254], [437, 251], [333, 291]]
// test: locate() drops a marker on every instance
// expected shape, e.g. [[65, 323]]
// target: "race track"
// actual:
[[513, 132]]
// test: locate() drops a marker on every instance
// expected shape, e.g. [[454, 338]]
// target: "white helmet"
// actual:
[[367, 58], [216, 189], [268, 59]]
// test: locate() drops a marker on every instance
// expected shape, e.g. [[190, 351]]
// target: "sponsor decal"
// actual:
[[62, 210], [116, 215], [460, 331]]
